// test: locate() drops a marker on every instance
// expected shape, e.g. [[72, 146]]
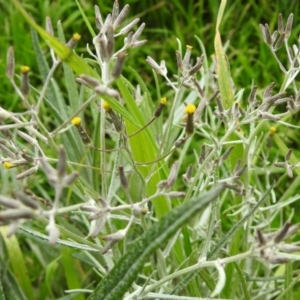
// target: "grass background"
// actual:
[[250, 60]]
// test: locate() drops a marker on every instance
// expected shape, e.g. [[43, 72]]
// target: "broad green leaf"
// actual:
[[224, 77], [144, 149], [121, 277], [120, 109]]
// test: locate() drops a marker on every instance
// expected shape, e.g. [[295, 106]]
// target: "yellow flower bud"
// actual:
[[272, 130], [189, 128], [76, 36], [190, 109], [106, 106], [25, 69], [8, 165], [160, 107], [76, 121]]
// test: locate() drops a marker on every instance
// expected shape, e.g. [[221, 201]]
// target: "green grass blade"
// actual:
[[224, 240], [50, 272], [17, 262], [70, 271], [120, 109], [9, 287], [237, 226], [2, 296], [288, 289], [247, 295], [121, 277], [87, 23], [71, 86], [288, 280], [144, 149], [43, 66], [223, 71]]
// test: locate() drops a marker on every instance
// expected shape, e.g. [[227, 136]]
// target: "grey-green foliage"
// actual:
[[119, 280]]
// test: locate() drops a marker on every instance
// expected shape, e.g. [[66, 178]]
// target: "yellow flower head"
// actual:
[[25, 69], [8, 165], [163, 101], [272, 130], [76, 121], [76, 36], [190, 109], [106, 106]]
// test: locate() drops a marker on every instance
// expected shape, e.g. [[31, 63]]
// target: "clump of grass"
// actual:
[[188, 186]]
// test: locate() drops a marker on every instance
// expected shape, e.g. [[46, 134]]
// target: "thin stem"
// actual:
[[46, 83], [76, 113], [200, 265]]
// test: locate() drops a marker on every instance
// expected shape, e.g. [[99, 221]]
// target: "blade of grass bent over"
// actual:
[[222, 64], [121, 277], [223, 72]]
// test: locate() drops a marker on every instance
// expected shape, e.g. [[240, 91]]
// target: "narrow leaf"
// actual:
[[86, 20], [247, 295], [9, 287]]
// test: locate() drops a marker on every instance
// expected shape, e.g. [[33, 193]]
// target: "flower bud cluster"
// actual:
[[104, 41], [278, 37], [233, 182], [19, 209], [271, 247], [287, 165], [166, 185], [186, 70]]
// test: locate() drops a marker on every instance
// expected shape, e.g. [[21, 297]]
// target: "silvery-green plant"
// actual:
[[136, 182]]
